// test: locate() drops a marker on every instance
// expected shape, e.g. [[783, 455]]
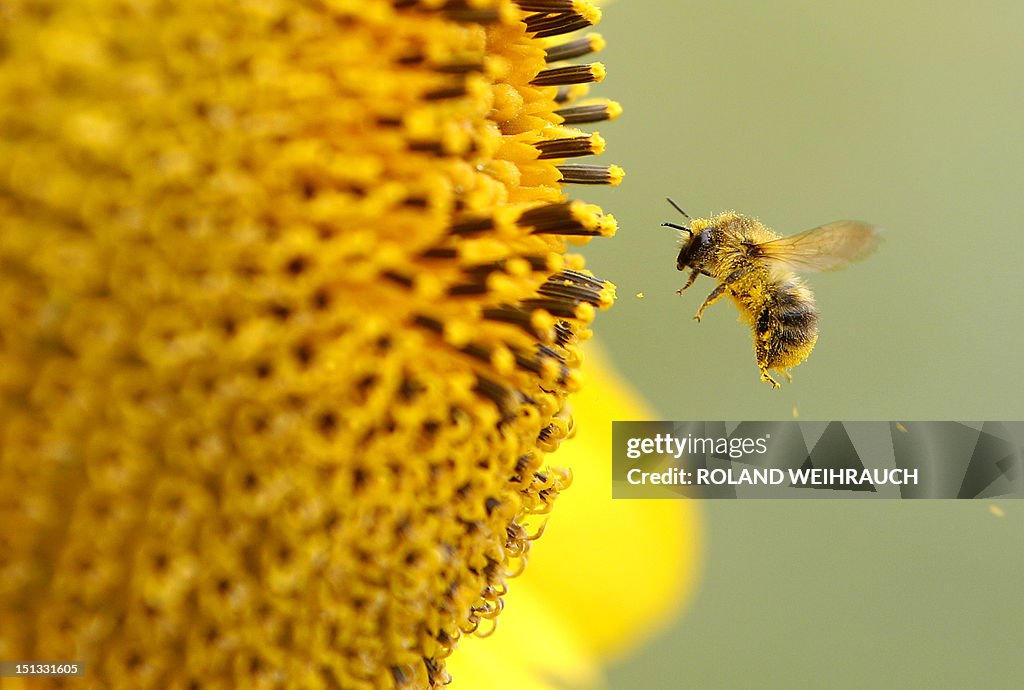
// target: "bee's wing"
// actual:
[[825, 248]]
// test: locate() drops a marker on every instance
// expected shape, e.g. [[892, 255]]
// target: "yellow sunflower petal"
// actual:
[[606, 575], [532, 648], [615, 570]]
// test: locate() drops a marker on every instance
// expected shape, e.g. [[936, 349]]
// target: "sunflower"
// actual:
[[287, 328]]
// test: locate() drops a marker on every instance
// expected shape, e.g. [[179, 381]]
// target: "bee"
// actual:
[[757, 268]]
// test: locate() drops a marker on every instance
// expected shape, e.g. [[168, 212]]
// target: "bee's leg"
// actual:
[[763, 346], [786, 375], [689, 281], [715, 295]]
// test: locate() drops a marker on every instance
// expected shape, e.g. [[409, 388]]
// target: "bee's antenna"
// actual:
[[677, 207], [673, 225], [677, 227]]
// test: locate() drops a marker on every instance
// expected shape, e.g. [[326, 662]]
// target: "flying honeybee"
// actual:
[[757, 269]]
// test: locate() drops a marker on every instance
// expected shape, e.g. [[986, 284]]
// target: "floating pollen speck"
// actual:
[[996, 510], [900, 427], [639, 295]]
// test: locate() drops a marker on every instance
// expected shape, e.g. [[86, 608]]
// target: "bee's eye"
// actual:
[[705, 238]]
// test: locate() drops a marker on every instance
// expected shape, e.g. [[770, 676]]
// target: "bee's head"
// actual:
[[694, 250], [695, 241]]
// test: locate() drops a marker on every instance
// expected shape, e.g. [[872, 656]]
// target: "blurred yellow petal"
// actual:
[[532, 649], [641, 557], [606, 575]]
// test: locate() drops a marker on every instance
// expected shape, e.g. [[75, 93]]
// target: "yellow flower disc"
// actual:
[[286, 328]]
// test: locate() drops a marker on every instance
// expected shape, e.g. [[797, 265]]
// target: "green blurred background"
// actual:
[[908, 115]]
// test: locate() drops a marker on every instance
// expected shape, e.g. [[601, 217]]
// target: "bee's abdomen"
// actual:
[[787, 327]]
